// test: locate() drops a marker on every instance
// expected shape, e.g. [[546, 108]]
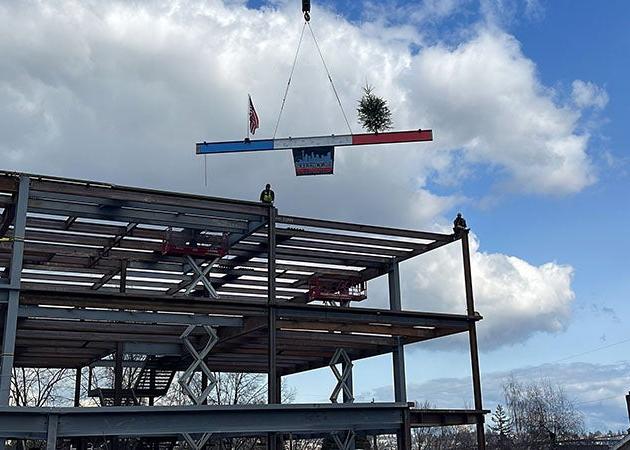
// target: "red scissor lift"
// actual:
[[337, 290]]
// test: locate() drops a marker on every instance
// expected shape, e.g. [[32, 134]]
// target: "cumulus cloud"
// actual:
[[120, 91], [484, 96], [588, 95], [516, 298], [597, 390]]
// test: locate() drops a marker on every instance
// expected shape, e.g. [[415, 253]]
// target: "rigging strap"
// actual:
[[332, 84], [286, 91], [321, 55]]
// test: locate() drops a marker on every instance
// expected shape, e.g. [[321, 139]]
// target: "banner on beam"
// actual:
[[314, 160]]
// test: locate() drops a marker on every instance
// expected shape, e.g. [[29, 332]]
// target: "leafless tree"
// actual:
[[541, 413], [41, 387], [232, 389]]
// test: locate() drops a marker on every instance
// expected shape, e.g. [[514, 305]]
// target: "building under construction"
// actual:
[[182, 286]]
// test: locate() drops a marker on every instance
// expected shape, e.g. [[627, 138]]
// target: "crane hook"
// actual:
[[306, 9]]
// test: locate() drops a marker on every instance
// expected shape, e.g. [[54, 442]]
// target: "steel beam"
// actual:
[[20, 423], [472, 337], [360, 228], [10, 322], [398, 355], [32, 311], [403, 436], [51, 433], [77, 387], [273, 379]]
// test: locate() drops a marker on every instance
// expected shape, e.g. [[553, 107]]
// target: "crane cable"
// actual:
[[321, 55], [286, 91]]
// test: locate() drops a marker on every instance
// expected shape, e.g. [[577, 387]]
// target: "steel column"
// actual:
[[13, 300], [123, 276], [472, 336], [51, 433], [118, 374], [398, 357], [77, 388], [273, 379]]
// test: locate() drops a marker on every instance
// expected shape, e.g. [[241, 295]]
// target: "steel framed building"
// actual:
[[85, 281]]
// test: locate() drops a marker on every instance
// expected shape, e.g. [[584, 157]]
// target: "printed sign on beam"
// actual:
[[314, 160]]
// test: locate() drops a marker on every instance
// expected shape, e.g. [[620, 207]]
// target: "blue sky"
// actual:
[[529, 106], [566, 41]]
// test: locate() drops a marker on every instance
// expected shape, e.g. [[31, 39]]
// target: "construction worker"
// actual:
[[459, 225], [267, 196]]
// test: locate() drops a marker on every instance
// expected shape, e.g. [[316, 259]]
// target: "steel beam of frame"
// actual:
[[273, 378], [127, 316], [359, 228], [113, 243], [21, 423], [398, 358], [119, 214], [6, 219], [368, 315], [13, 300], [256, 145], [398, 355], [472, 336], [51, 432]]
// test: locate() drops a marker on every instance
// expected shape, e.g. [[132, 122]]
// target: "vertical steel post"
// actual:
[[13, 300], [77, 388], [398, 359], [204, 385], [349, 397], [628, 404], [472, 336], [118, 374], [273, 380], [398, 355], [51, 435], [123, 276]]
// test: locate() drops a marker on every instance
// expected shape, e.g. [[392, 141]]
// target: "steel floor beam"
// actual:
[[34, 423]]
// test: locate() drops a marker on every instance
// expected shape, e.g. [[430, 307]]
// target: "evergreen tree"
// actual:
[[374, 114], [502, 426]]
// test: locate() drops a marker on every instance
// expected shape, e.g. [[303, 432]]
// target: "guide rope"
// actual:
[[332, 84]]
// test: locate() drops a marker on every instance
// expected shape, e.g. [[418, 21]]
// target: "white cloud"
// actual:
[[484, 96], [588, 95], [516, 299], [120, 91]]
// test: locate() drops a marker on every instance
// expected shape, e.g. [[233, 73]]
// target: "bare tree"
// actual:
[[541, 413], [41, 387]]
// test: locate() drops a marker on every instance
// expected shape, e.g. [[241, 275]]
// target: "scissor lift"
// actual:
[[337, 290]]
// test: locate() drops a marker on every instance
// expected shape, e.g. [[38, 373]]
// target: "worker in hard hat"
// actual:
[[459, 225], [267, 195]]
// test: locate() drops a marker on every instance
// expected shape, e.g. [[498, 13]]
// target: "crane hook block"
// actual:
[[306, 9]]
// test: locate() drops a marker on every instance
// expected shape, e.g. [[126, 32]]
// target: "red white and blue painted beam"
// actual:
[[257, 145]]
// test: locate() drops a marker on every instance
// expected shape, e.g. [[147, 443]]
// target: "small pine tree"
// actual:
[[374, 114], [502, 425]]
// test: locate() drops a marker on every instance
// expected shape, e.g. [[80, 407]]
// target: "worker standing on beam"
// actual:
[[267, 196]]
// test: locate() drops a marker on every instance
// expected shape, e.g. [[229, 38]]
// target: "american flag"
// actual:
[[254, 122]]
